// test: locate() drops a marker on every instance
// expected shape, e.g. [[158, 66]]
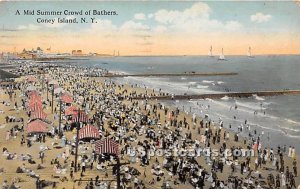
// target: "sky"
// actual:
[[155, 28]]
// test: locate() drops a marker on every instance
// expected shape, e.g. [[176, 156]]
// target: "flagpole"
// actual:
[[77, 140], [59, 126], [52, 98], [118, 173], [47, 89]]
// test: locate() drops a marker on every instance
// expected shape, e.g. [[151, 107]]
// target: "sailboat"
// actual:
[[210, 52], [222, 57], [249, 53]]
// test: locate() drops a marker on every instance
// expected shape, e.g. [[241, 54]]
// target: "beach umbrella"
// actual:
[[66, 98], [89, 131], [35, 105], [38, 114], [82, 118], [106, 146], [37, 126], [71, 110]]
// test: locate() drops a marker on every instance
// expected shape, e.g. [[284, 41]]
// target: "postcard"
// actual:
[[149, 94]]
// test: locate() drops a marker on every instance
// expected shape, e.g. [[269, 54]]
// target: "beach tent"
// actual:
[[82, 118], [35, 106], [38, 114], [37, 126], [89, 132], [107, 145], [66, 98], [70, 110]]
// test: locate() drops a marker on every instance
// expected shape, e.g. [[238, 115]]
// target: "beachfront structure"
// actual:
[[77, 52]]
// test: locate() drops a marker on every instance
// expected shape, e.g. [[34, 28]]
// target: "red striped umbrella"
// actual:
[[66, 98], [82, 118], [89, 131], [37, 126], [35, 106], [107, 146], [71, 110], [38, 114]]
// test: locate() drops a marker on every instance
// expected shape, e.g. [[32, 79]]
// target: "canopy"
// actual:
[[66, 98], [89, 131], [82, 118], [37, 126], [71, 110], [33, 106], [38, 114]]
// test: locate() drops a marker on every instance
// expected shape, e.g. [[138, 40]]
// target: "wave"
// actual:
[[202, 87], [220, 82], [225, 98], [258, 98], [183, 78], [207, 81], [250, 106], [292, 121], [192, 83]]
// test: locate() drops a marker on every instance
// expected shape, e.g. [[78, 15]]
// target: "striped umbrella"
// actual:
[[88, 131], [82, 118], [37, 126], [70, 110], [38, 114], [107, 146], [66, 98]]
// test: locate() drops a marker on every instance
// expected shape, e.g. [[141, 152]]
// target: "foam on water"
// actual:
[[207, 81]]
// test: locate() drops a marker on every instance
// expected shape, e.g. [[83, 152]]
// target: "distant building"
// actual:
[[31, 54], [77, 52]]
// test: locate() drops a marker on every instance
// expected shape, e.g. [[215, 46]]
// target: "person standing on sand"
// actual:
[[42, 155], [7, 135]]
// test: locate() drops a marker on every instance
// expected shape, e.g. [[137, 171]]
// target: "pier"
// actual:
[[189, 74], [221, 95]]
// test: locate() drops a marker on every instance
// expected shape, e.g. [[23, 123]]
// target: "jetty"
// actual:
[[220, 95], [189, 74]]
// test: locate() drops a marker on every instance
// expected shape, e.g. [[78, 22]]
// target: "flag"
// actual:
[[107, 146]]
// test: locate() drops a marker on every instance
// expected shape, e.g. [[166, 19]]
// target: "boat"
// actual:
[[222, 57], [210, 52], [249, 53]]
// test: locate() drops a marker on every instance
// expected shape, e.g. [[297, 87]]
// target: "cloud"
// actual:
[[140, 16], [260, 17], [198, 10], [131, 26], [193, 19], [28, 27]]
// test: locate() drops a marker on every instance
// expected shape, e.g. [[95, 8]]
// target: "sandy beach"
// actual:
[[134, 124]]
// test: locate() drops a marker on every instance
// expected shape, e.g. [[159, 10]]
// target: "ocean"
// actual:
[[277, 118]]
